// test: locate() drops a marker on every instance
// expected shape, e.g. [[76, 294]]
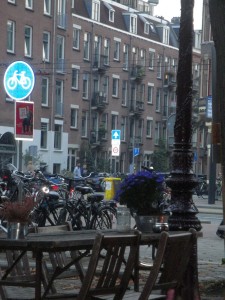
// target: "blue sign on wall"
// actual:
[[116, 135], [19, 80]]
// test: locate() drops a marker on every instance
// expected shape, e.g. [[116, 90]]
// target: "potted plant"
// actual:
[[17, 215], [142, 194]]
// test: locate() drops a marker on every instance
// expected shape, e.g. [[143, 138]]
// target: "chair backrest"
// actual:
[[170, 264], [111, 265]]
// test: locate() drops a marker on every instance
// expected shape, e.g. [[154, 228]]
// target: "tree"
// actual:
[[160, 158]]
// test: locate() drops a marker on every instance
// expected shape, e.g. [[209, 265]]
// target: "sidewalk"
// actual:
[[210, 254]]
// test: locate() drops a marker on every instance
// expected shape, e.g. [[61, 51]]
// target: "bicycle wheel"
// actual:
[[101, 220]]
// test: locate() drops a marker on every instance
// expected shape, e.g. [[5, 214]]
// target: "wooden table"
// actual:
[[83, 240]]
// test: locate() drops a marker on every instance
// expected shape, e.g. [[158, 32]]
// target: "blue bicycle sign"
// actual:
[[19, 80]]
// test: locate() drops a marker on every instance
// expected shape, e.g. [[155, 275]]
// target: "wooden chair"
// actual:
[[60, 259], [169, 268], [22, 275], [109, 273]]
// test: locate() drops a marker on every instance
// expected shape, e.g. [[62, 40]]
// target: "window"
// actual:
[[60, 53], [123, 128], [44, 91], [106, 87], [62, 13], [29, 4], [151, 60], [97, 51], [150, 94], [149, 125], [158, 100], [76, 37], [44, 135], [74, 117], [115, 87], [71, 159], [157, 133], [106, 51], [104, 124], [28, 41], [124, 92], [59, 98], [75, 77], [116, 50], [143, 57], [10, 36], [133, 24], [46, 46], [159, 68], [85, 86], [142, 96], [114, 121], [84, 124], [125, 57], [166, 35], [96, 10], [111, 15], [111, 11], [87, 40], [58, 137], [47, 7], [146, 27]]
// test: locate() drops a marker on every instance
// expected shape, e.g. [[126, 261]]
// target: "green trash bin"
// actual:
[[111, 187]]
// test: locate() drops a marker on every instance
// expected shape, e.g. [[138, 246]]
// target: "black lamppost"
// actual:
[[182, 180]]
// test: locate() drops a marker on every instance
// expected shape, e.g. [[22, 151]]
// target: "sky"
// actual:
[[171, 8]]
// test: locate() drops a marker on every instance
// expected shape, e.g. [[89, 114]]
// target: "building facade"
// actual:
[[99, 66]]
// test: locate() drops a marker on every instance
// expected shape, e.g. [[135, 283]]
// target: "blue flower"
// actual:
[[141, 192]]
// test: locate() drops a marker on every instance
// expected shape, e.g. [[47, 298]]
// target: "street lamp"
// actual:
[[181, 179]]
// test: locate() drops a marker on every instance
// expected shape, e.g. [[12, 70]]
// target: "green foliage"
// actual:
[[160, 158]]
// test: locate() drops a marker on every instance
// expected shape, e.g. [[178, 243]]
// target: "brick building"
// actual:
[[99, 66]]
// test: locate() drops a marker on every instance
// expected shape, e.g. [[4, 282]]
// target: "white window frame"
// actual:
[[44, 134], [60, 53], [166, 35], [125, 57], [44, 91], [46, 46], [146, 27], [123, 127], [116, 55], [115, 86], [124, 92], [59, 98], [76, 37], [28, 37], [12, 1], [47, 7], [114, 120], [133, 24], [149, 126], [75, 77], [151, 61], [87, 42], [158, 100], [84, 124], [58, 130], [157, 133], [61, 10], [150, 95], [29, 4], [74, 116], [85, 86], [106, 51], [11, 26], [96, 10]]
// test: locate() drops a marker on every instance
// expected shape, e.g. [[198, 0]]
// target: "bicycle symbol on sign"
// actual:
[[18, 79]]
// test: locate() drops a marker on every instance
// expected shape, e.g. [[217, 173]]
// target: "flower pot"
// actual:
[[17, 230], [154, 223]]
